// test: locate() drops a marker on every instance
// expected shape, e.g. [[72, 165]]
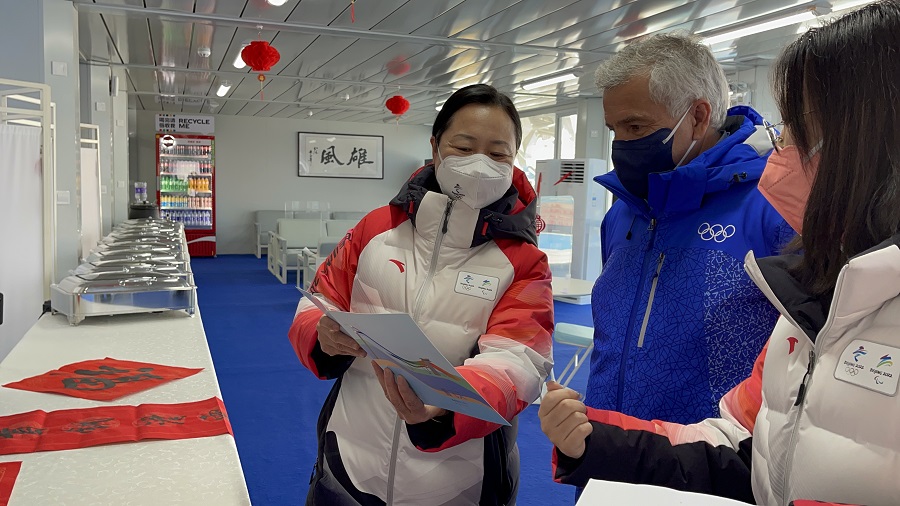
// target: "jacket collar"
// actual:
[[866, 282], [511, 217], [733, 160]]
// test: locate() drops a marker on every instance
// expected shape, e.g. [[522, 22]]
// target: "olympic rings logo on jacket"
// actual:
[[716, 232]]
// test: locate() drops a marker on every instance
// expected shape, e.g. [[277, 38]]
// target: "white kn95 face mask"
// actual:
[[477, 180]]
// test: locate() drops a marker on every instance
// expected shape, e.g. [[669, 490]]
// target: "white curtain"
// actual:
[[21, 232]]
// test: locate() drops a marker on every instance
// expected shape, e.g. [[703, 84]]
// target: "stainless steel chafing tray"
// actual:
[[149, 222], [165, 260], [148, 230], [142, 239], [110, 293], [136, 269], [161, 247], [143, 235], [179, 257], [155, 225]]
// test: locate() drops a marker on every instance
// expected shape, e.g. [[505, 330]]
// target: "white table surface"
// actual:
[[187, 471], [571, 287]]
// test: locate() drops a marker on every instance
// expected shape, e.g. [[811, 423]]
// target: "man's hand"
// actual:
[[334, 342], [409, 407], [564, 420]]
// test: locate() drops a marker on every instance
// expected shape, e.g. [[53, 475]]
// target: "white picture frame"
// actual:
[[340, 155]]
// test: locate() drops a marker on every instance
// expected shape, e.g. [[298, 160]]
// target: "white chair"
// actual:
[[305, 215], [312, 259], [338, 228], [347, 215], [266, 221], [574, 335], [287, 243], [335, 230]]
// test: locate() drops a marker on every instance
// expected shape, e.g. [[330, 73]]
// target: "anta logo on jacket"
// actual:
[[677, 322]]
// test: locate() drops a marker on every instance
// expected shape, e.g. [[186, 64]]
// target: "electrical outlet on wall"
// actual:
[[59, 68]]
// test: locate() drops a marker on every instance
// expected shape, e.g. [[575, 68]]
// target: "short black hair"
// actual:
[[476, 94]]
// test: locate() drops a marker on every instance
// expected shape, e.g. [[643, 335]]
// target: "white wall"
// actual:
[[256, 169], [61, 45], [760, 91], [96, 109], [117, 187]]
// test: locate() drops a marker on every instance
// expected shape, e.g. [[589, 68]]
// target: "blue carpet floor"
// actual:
[[273, 401]]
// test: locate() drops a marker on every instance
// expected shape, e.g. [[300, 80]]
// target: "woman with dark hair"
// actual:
[[464, 222], [818, 417]]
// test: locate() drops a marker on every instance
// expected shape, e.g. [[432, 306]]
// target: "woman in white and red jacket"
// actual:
[[818, 419], [466, 220]]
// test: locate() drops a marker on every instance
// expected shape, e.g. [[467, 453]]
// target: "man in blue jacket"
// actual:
[[677, 322]]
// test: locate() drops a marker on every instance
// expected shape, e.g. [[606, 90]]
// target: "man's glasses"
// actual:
[[774, 136]]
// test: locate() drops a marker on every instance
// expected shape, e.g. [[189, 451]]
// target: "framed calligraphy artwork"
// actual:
[[341, 156]]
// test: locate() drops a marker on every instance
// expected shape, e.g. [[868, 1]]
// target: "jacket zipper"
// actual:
[[620, 390], [420, 298], [393, 470], [792, 446], [803, 391], [659, 264]]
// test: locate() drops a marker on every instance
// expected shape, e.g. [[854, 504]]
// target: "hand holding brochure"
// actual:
[[395, 342]]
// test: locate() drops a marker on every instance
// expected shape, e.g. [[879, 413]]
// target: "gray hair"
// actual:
[[681, 69]]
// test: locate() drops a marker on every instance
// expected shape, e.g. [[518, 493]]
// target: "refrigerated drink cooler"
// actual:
[[186, 187]]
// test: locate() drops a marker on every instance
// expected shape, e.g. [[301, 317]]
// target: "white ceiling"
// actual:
[[337, 69]]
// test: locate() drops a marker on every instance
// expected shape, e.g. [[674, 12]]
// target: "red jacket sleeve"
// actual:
[[710, 457], [333, 282]]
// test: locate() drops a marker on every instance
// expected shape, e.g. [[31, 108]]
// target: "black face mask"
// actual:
[[635, 160]]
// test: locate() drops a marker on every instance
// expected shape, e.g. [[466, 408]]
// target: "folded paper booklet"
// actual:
[[611, 492], [395, 342]]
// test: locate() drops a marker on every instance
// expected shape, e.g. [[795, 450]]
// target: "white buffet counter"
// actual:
[[187, 471]]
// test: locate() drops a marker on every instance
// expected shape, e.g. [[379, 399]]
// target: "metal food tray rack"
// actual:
[[141, 267]]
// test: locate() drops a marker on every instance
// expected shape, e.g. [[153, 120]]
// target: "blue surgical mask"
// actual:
[[635, 160]]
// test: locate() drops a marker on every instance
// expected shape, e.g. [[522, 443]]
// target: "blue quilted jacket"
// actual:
[[677, 322]]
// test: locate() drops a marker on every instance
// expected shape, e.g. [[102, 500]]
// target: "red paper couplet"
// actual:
[[103, 380], [8, 473], [68, 429]]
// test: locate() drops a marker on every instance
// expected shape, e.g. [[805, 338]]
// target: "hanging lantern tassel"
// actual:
[[352, 11], [398, 106], [260, 56]]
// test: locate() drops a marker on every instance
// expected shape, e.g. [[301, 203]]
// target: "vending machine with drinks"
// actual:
[[186, 187]]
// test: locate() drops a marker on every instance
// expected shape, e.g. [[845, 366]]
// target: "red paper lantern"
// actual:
[[397, 105], [260, 56], [398, 66]]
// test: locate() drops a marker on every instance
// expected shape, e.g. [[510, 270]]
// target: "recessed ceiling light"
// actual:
[[223, 88], [277, 3], [238, 61], [788, 18], [550, 80]]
